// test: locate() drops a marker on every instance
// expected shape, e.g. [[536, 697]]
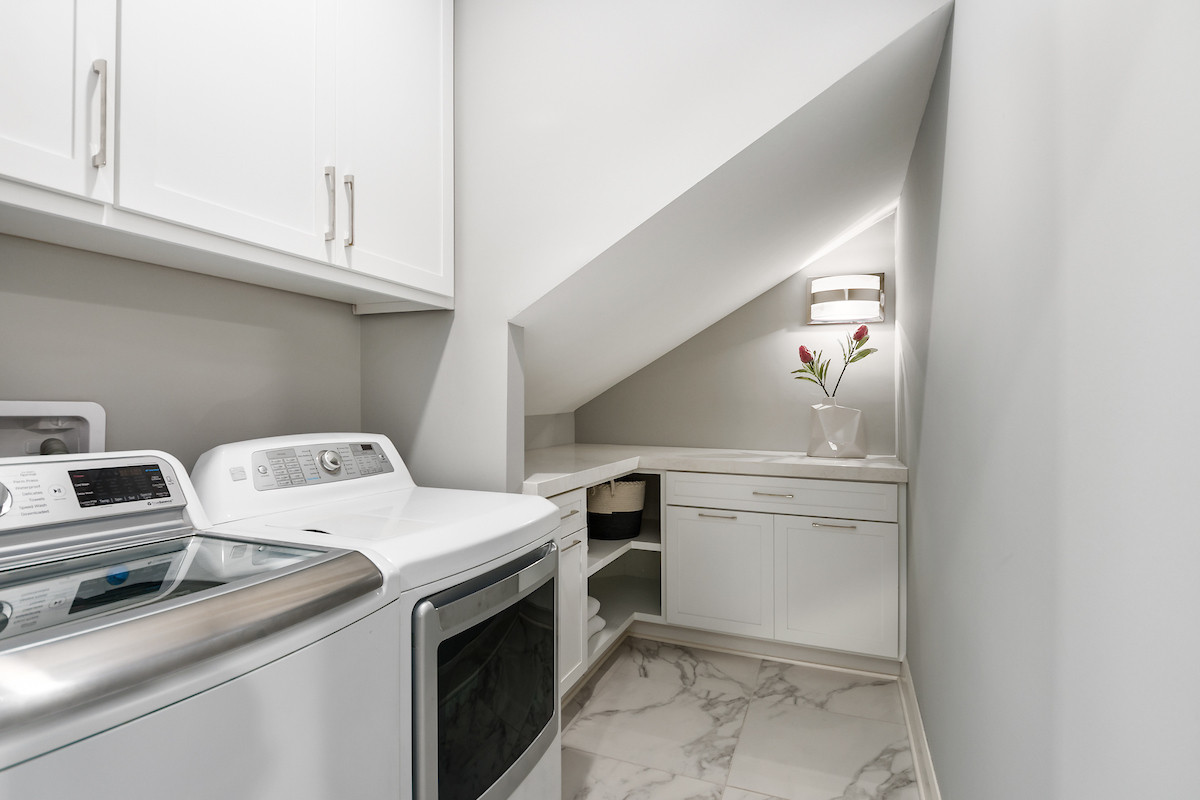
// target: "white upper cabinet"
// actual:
[[57, 94], [394, 140], [227, 118], [305, 145]]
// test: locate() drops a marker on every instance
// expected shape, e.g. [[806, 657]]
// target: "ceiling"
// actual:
[[751, 223]]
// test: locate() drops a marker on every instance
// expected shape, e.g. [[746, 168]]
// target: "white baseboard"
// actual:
[[922, 759], [763, 648]]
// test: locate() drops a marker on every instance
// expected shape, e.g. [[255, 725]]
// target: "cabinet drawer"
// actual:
[[802, 496], [573, 513]]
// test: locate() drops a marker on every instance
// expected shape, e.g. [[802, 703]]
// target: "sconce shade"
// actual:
[[846, 298]]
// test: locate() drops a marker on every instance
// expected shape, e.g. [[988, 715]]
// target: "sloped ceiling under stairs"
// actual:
[[748, 225]]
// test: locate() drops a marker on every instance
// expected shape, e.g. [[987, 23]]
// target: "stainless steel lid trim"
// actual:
[[48, 678]]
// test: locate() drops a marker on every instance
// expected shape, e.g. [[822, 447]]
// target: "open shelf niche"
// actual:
[[625, 575]]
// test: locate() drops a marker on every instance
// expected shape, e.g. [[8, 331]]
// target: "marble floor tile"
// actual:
[[733, 793], [670, 708], [804, 753], [571, 708], [831, 690], [587, 776]]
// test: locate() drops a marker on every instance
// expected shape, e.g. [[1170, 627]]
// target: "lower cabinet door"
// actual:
[[572, 605], [837, 584], [719, 574]]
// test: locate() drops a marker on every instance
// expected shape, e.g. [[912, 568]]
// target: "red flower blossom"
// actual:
[[816, 366]]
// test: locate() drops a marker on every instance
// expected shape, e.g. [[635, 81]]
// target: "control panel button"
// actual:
[[6, 612], [5, 501]]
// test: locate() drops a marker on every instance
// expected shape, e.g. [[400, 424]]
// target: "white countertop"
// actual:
[[553, 470]]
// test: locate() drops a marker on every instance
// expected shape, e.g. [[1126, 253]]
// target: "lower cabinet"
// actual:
[[572, 588], [837, 584], [804, 561], [819, 581], [718, 569], [624, 576], [572, 600]]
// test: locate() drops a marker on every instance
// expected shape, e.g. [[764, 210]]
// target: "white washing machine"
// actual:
[[477, 574], [144, 656]]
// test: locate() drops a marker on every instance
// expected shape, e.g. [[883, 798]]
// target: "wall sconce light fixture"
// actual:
[[846, 298]]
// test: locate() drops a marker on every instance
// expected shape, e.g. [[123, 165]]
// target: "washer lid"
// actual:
[[93, 627], [423, 534]]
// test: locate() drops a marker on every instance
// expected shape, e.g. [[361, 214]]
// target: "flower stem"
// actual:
[[845, 363]]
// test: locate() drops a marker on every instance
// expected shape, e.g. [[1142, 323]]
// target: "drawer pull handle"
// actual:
[[575, 543], [570, 513], [718, 516], [771, 494], [831, 525]]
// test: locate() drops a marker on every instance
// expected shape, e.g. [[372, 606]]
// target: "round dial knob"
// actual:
[[330, 461], [6, 612], [5, 499]]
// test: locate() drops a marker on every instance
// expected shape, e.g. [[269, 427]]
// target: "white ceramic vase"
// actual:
[[836, 431]]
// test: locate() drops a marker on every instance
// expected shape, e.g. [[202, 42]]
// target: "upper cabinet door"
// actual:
[[56, 96], [227, 119], [395, 137]]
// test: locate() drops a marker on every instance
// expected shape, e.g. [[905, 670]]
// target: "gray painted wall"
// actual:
[[179, 361], [731, 385], [548, 430], [1051, 430]]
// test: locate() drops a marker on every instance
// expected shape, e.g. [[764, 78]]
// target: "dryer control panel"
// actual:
[[284, 467]]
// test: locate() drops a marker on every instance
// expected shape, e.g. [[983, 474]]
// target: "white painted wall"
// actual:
[[181, 362], [574, 123], [1053, 593], [731, 385], [578, 121], [744, 228]]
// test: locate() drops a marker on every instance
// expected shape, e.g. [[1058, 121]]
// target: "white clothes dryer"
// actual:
[[477, 574]]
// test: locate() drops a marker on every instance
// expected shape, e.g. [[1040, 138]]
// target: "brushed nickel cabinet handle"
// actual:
[[717, 516], [570, 513], [348, 180], [100, 67], [831, 525], [330, 182], [772, 494]]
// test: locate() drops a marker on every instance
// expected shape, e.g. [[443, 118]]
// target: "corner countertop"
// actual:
[[553, 470]]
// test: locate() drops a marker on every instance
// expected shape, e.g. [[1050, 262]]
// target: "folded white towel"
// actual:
[[595, 625], [593, 606]]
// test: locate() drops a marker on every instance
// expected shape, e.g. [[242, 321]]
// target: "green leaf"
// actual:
[[861, 354]]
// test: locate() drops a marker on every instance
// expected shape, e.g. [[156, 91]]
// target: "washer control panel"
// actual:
[[285, 467], [34, 493]]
